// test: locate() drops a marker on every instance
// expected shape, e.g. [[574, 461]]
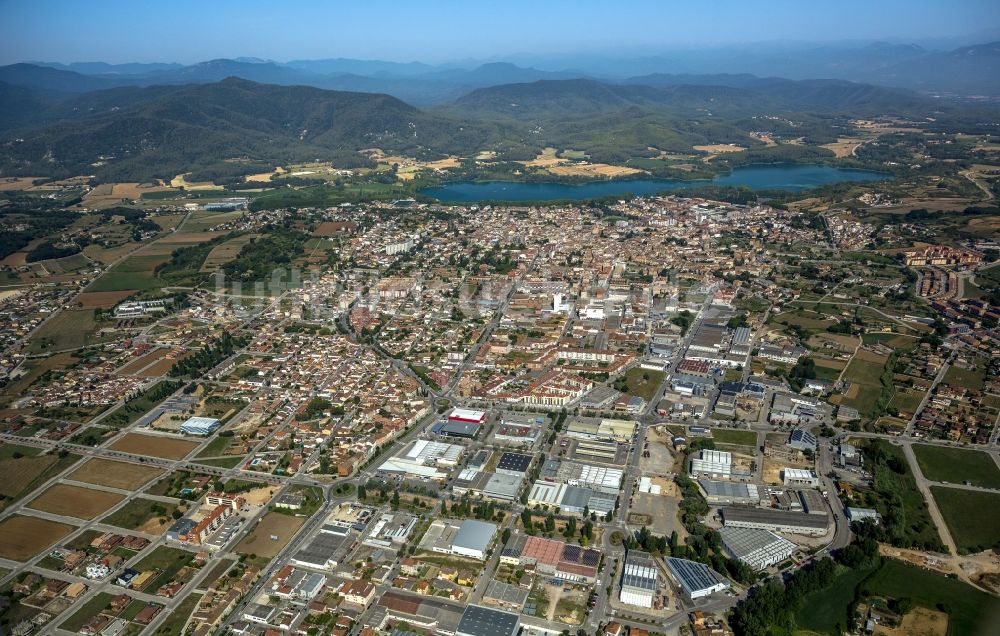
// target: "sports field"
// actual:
[[106, 472], [154, 446], [75, 501]]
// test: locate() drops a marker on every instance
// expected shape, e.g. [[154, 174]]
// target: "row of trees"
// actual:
[[209, 356]]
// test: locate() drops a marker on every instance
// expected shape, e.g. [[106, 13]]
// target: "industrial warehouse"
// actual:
[[468, 538], [695, 579], [775, 520], [757, 548]]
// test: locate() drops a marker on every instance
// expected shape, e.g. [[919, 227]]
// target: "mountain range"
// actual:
[[968, 70], [137, 121]]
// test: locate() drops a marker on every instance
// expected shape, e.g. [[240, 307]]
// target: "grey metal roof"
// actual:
[[776, 517], [474, 535], [742, 542], [692, 576], [486, 621]]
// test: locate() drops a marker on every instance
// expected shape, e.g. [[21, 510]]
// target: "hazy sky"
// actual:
[[435, 31]]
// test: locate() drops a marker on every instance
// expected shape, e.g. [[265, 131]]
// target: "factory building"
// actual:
[[757, 548], [775, 520], [799, 477], [696, 580], [639, 580]]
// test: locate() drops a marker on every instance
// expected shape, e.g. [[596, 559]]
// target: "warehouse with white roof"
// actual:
[[200, 425], [757, 548], [712, 463], [424, 459]]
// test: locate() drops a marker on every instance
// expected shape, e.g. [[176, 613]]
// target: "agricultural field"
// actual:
[[106, 472], [144, 515], [154, 446], [259, 542], [133, 273], [864, 371], [956, 465], [68, 329], [75, 501], [224, 252], [109, 195], [24, 537], [20, 475], [970, 611], [102, 300], [973, 517]]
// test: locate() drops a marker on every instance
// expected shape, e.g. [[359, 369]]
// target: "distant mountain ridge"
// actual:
[[969, 70]]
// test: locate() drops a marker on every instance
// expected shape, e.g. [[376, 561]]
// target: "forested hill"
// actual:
[[726, 96], [180, 128]]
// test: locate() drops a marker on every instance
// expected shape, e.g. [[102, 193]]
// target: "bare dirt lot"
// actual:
[[106, 472], [109, 195], [15, 183], [154, 446], [259, 540], [143, 361], [75, 501], [844, 146], [918, 622], [24, 537], [716, 148], [661, 511]]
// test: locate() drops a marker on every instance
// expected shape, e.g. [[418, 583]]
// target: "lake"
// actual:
[[788, 177]]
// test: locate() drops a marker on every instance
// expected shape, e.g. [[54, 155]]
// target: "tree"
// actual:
[[505, 537], [362, 492], [395, 500]]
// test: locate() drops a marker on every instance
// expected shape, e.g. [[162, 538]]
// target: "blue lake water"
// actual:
[[788, 177]]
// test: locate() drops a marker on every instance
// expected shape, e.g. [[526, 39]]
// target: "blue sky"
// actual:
[[436, 31]]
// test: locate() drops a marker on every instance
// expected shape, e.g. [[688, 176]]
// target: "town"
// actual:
[[488, 420]]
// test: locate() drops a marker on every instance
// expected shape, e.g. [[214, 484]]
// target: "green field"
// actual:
[[970, 611], [957, 465], [863, 372], [91, 608], [640, 382], [167, 561], [137, 512], [732, 436], [966, 378], [174, 624], [973, 517], [222, 462], [906, 518], [216, 447], [68, 329], [8, 451], [825, 611], [135, 272]]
